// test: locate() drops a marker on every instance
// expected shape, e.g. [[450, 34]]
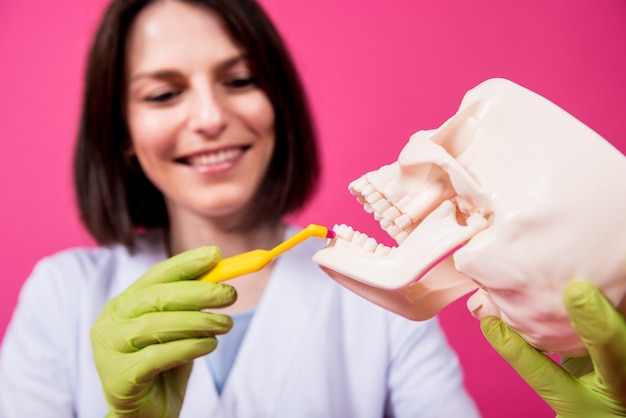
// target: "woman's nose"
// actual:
[[206, 116]]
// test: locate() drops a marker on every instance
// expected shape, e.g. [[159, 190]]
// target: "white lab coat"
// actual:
[[313, 348]]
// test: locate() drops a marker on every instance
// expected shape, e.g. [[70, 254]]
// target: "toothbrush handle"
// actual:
[[255, 260], [237, 265], [311, 230]]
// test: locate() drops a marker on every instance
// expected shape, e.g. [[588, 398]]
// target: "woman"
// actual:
[[195, 132]]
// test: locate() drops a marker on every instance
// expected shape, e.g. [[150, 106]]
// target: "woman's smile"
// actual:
[[211, 161]]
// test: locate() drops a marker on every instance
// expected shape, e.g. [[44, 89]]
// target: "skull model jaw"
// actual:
[[512, 197], [361, 271]]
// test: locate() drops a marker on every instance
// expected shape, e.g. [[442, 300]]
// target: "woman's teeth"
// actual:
[[214, 158]]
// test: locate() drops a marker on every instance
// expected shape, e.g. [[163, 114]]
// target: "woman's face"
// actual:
[[201, 128]]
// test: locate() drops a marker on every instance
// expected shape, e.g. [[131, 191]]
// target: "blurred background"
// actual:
[[376, 72]]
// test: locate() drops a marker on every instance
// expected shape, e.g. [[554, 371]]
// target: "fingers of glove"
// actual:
[[577, 366], [164, 327], [603, 330], [158, 358], [177, 296], [545, 376], [128, 382], [184, 266]]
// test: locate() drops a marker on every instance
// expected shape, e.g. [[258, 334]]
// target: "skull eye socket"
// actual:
[[458, 133]]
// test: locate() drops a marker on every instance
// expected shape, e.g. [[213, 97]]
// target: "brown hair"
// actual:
[[114, 196]]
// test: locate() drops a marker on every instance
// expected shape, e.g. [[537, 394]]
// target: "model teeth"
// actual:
[[403, 221], [370, 245], [391, 214], [374, 197], [392, 220], [358, 185], [368, 190], [348, 237], [218, 157], [399, 224], [393, 230], [382, 250], [382, 205], [401, 237]]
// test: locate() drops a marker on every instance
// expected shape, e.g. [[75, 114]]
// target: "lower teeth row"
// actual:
[[359, 240]]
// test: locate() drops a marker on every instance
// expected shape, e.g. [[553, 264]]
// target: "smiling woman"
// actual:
[[196, 141], [200, 126], [236, 84]]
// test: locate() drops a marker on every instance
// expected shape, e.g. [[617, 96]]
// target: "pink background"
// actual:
[[376, 71]]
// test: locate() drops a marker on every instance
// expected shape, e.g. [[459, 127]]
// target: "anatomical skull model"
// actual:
[[512, 198]]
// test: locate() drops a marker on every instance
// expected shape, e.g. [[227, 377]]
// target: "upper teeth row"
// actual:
[[355, 239], [216, 157], [391, 219]]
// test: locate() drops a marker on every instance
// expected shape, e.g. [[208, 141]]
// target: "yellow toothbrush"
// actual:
[[255, 260]]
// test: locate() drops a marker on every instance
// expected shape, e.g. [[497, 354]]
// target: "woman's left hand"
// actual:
[[569, 389]]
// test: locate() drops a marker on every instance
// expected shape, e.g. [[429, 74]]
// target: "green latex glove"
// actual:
[[571, 389], [146, 338]]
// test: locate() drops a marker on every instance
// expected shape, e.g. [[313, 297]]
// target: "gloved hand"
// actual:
[[146, 338], [599, 391]]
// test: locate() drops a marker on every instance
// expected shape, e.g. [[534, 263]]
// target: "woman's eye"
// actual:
[[240, 82], [163, 97]]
